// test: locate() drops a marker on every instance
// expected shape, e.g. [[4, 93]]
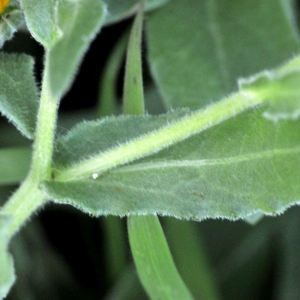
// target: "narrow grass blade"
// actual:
[[107, 89], [154, 262]]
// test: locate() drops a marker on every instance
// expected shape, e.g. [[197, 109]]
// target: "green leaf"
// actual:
[[121, 9], [10, 20], [79, 22], [84, 140], [153, 260], [107, 88], [197, 49], [281, 86], [41, 19], [14, 164], [133, 97], [256, 168], [7, 274], [18, 92]]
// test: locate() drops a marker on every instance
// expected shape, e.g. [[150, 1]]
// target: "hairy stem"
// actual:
[[28, 198]]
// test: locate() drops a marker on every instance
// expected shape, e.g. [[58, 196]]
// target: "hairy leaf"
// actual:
[[79, 22], [18, 92], [11, 18], [41, 19], [85, 140], [281, 86], [244, 165], [197, 49], [121, 9], [7, 275]]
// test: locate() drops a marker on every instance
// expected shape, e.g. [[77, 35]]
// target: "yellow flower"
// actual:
[[3, 4]]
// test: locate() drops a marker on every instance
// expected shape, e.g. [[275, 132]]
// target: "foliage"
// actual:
[[224, 143]]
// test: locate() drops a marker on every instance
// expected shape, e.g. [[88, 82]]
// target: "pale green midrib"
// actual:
[[160, 139], [196, 163]]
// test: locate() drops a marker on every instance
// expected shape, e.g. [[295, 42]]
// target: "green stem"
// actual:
[[28, 198], [160, 139], [46, 124]]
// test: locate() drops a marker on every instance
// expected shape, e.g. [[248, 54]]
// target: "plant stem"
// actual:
[[46, 124], [28, 198]]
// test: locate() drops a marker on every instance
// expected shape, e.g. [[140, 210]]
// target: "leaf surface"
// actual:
[[198, 49], [154, 261], [10, 20], [281, 86], [14, 164], [121, 9], [79, 22], [41, 19], [244, 165], [7, 275], [18, 92], [85, 140]]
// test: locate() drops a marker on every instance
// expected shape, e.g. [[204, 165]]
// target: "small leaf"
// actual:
[[255, 170], [41, 20], [7, 274], [198, 49], [18, 92], [79, 22], [280, 87], [121, 9], [11, 18]]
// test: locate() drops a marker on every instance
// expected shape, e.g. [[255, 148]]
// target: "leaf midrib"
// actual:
[[196, 163]]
